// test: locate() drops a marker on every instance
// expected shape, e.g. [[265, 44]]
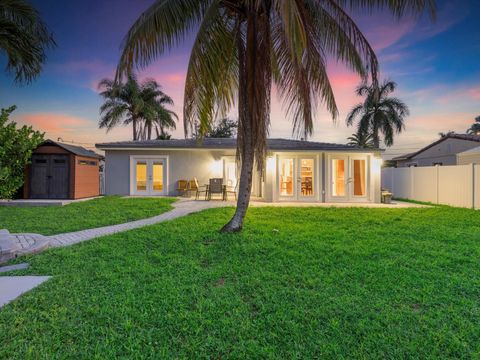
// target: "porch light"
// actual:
[[377, 164], [270, 164], [216, 168]]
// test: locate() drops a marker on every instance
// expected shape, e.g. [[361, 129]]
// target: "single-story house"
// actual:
[[471, 156], [62, 171], [441, 152], [295, 170]]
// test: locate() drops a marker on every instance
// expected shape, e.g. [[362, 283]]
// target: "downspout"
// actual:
[[323, 177]]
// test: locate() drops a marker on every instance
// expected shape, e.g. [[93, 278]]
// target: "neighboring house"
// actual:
[[294, 170], [471, 156], [442, 152], [62, 171]]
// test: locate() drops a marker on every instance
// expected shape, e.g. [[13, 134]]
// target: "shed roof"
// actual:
[[77, 150], [229, 143]]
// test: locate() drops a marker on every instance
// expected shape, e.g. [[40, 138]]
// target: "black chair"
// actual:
[[215, 186]]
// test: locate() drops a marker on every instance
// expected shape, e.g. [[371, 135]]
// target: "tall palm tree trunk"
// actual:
[[135, 132], [149, 131], [246, 103]]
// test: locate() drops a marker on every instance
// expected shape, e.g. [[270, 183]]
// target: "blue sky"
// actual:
[[436, 65]]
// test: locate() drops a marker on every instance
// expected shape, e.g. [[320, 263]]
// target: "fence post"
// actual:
[[437, 175], [473, 186], [412, 192]]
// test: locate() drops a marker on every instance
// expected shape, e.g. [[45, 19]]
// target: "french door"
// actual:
[[348, 178], [297, 178], [149, 176]]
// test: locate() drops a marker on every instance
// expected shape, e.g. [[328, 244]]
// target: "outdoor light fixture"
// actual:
[[270, 164], [216, 168]]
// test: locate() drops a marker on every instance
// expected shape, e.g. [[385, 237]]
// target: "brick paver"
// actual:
[[180, 208]]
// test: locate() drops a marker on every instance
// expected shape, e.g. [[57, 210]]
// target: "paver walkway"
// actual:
[[181, 207]]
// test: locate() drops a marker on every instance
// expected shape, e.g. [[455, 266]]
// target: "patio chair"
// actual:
[[215, 186], [182, 187], [229, 189], [193, 186]]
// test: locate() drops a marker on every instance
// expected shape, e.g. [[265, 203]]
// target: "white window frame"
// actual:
[[164, 158]]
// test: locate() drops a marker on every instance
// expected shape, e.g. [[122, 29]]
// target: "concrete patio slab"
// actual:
[[11, 287], [42, 202]]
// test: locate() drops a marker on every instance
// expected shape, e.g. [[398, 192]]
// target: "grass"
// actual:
[[104, 211], [297, 283]]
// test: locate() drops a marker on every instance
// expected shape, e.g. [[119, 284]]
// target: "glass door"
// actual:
[[156, 179], [296, 178], [149, 177], [306, 179], [286, 174], [338, 181], [358, 179], [348, 178], [141, 177]]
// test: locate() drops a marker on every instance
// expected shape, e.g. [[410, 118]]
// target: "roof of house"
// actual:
[[229, 143], [77, 150], [466, 137], [475, 150]]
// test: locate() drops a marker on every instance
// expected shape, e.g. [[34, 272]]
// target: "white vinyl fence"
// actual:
[[457, 185]]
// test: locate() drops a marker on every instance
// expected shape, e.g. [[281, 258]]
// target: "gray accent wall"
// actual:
[[182, 164]]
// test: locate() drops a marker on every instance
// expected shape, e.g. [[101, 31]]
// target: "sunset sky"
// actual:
[[436, 65]]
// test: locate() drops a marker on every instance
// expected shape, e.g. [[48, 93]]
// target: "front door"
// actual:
[[296, 178], [149, 177], [49, 177], [348, 178]]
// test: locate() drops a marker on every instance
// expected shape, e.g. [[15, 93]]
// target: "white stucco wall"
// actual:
[[187, 164]]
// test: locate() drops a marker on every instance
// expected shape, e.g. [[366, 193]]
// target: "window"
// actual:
[[86, 162], [157, 176], [338, 174], [306, 177], [59, 161], [286, 177], [141, 174], [359, 169], [40, 161]]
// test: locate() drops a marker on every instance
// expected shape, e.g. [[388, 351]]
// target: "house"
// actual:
[[441, 152], [471, 156], [62, 171], [294, 170]]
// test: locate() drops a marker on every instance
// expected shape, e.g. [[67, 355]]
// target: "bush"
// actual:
[[16, 147]]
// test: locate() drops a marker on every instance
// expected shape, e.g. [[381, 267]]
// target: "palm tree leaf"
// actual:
[[212, 75], [162, 26]]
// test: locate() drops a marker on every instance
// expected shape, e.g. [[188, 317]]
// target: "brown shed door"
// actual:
[[49, 177]]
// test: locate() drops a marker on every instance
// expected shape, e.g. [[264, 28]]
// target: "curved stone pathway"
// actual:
[[181, 207]]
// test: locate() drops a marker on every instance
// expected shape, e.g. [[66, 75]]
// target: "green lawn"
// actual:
[[108, 210], [297, 283]]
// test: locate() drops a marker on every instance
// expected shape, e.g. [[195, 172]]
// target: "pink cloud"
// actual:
[[474, 93], [54, 123]]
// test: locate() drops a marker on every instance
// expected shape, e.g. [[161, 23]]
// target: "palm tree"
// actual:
[[155, 114], [243, 47], [24, 38], [475, 128], [379, 113], [139, 104], [363, 140]]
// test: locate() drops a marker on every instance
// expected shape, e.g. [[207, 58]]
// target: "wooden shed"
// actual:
[[62, 171]]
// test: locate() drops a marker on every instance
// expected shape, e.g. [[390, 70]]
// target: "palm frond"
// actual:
[[162, 26]]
